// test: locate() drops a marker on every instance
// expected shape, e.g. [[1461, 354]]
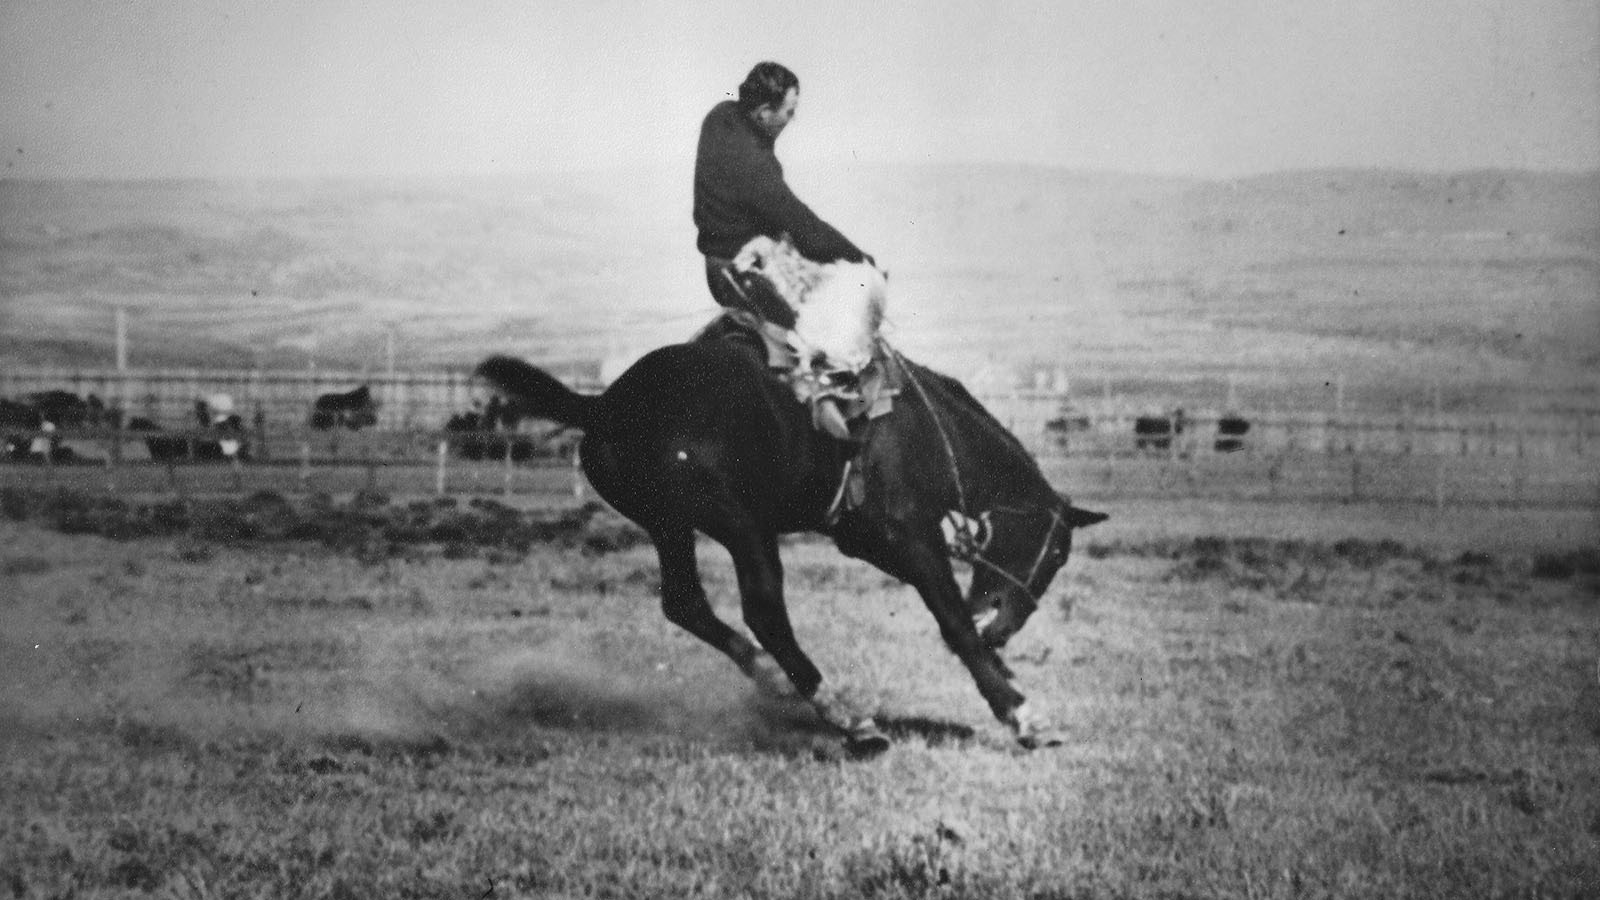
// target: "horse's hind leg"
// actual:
[[760, 571], [683, 601]]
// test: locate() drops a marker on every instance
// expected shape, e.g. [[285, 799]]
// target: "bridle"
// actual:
[[969, 548]]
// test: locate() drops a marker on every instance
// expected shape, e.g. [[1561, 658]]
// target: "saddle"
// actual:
[[854, 397], [832, 357], [839, 408]]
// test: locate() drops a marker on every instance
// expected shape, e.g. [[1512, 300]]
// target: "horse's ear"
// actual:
[[1081, 518]]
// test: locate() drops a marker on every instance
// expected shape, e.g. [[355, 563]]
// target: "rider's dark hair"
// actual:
[[768, 82]]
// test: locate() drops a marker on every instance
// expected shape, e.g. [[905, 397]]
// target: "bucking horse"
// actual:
[[702, 437]]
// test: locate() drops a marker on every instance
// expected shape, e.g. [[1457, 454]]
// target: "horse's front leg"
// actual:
[[925, 567]]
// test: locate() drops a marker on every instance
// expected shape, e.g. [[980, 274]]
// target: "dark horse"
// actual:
[[701, 437]]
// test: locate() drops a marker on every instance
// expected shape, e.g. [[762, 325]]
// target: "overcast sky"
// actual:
[[325, 87]]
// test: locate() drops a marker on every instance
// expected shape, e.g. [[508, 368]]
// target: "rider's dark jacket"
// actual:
[[739, 193]]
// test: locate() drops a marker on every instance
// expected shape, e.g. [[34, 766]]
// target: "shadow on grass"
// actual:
[[935, 732]]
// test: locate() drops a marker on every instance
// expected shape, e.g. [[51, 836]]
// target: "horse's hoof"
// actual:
[[1032, 731], [1037, 739], [865, 741]]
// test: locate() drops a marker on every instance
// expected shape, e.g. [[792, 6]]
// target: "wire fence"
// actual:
[[1108, 450]]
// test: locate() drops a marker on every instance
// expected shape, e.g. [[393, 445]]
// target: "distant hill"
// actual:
[[1406, 278]]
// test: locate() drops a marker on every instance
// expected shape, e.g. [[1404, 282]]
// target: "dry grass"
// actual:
[[1246, 717]]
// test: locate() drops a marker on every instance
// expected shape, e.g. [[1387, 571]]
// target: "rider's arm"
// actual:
[[814, 238]]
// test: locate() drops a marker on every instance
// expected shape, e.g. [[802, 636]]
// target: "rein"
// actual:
[[968, 548], [933, 413]]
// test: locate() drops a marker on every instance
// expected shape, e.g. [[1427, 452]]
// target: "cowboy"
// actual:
[[740, 194], [744, 210]]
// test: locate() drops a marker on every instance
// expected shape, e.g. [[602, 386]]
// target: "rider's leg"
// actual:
[[739, 291]]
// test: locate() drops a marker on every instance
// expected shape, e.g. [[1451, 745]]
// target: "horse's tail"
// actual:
[[537, 393]]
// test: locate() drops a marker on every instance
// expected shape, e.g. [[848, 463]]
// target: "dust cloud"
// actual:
[[385, 691]]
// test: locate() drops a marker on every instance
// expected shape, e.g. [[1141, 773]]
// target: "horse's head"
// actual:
[[1015, 551]]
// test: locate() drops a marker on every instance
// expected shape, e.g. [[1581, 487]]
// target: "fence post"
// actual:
[[260, 422], [505, 487], [577, 476], [443, 453], [114, 458], [50, 454]]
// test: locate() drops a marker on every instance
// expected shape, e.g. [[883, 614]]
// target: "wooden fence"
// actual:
[[275, 399], [427, 462], [1538, 459], [278, 403]]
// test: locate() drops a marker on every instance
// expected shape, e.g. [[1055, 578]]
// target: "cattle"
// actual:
[[24, 419], [1060, 430], [1231, 430], [214, 414], [64, 408], [481, 437], [163, 448], [353, 410], [1157, 432], [37, 417]]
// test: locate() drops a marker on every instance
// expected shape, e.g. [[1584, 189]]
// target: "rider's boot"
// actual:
[[827, 415]]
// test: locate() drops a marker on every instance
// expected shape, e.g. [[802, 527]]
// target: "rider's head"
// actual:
[[768, 96]]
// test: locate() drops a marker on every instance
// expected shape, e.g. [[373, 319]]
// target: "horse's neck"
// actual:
[[987, 460]]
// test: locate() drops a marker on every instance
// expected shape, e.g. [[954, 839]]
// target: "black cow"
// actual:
[[64, 408], [481, 435], [353, 410], [22, 417], [228, 445], [1061, 429], [1231, 430], [37, 418], [1157, 432]]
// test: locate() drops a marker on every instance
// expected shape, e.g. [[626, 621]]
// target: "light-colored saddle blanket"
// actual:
[[838, 306], [864, 394]]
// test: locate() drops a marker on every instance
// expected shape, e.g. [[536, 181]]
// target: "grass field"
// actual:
[[1373, 704]]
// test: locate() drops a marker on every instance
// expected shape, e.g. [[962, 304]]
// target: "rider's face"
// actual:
[[773, 118]]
